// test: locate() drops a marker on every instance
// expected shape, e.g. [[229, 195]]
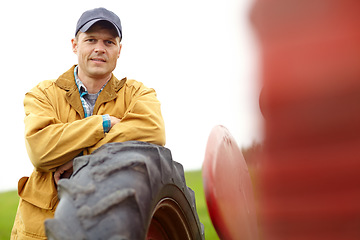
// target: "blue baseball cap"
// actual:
[[92, 16]]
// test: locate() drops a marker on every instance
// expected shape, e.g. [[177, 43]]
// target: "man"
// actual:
[[83, 109]]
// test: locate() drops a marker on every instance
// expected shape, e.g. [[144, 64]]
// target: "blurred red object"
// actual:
[[309, 178], [228, 188]]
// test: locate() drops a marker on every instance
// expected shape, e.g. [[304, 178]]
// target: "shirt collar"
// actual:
[[82, 88]]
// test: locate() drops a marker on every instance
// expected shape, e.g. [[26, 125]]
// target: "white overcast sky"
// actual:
[[199, 55]]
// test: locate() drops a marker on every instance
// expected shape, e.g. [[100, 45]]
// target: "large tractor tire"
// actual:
[[132, 190]]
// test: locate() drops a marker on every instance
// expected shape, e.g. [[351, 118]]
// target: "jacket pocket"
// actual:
[[38, 201], [39, 189]]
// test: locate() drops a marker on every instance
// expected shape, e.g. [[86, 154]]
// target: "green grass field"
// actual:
[[8, 205], [9, 202], [194, 181]]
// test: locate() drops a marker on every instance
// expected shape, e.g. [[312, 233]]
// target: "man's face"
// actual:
[[98, 50]]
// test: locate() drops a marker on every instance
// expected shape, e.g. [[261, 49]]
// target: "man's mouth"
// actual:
[[98, 59]]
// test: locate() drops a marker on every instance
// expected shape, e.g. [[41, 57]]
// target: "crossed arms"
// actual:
[[54, 135]]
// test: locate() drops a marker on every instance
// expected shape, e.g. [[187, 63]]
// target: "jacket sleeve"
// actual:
[[142, 121], [50, 142]]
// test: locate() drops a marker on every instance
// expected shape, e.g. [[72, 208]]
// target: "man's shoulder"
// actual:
[[132, 83], [44, 85], [65, 81], [41, 90], [133, 87]]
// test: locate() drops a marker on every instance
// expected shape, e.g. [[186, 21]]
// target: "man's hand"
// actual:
[[114, 120], [64, 171]]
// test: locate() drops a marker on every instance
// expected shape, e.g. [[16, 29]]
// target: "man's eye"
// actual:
[[90, 40], [109, 42]]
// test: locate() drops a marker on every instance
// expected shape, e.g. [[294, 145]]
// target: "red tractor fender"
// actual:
[[228, 188]]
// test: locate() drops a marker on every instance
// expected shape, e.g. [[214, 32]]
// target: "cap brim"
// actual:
[[88, 25]]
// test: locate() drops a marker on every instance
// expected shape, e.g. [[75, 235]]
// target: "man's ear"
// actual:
[[74, 45], [119, 50]]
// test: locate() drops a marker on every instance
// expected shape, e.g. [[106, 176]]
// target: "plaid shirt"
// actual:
[[89, 105]]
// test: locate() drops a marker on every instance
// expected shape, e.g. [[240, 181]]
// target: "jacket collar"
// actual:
[[67, 82]]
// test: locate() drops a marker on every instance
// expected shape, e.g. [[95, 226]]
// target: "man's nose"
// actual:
[[100, 48]]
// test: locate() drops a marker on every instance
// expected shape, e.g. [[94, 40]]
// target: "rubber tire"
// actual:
[[114, 192]]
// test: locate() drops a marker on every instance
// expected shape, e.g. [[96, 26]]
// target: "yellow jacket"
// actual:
[[56, 132]]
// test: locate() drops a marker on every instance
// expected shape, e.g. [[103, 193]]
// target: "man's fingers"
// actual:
[[57, 176], [114, 120], [66, 168]]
